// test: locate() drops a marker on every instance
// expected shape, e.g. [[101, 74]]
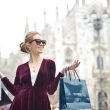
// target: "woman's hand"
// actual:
[[74, 65], [1, 75]]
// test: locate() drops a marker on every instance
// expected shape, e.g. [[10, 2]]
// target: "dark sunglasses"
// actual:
[[38, 42]]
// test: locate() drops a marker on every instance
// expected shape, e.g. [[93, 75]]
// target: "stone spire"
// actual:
[[45, 16], [108, 3], [57, 14], [67, 8], [83, 2], [80, 2], [35, 27], [26, 26], [77, 2]]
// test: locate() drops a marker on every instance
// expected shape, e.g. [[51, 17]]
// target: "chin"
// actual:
[[40, 52]]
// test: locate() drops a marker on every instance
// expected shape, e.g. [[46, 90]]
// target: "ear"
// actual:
[[28, 46]]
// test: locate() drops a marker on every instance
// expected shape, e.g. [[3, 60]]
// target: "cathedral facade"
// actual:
[[83, 34]]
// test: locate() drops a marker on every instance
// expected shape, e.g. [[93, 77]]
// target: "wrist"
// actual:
[[62, 71], [1, 75]]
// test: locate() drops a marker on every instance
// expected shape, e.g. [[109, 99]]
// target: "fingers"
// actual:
[[75, 64], [77, 61]]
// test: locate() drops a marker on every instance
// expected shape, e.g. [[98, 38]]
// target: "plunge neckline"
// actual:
[[37, 73]]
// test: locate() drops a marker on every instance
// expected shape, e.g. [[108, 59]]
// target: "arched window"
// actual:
[[102, 98], [68, 54], [100, 65]]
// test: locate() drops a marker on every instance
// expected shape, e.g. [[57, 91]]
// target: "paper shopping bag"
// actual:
[[73, 94], [4, 98]]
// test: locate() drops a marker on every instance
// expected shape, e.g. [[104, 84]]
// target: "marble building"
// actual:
[[75, 37]]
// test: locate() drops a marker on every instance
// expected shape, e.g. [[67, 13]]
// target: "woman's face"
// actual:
[[37, 44]]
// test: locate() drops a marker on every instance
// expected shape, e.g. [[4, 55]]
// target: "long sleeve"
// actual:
[[13, 88], [52, 80]]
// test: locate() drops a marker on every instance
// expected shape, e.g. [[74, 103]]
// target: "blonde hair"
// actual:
[[28, 38]]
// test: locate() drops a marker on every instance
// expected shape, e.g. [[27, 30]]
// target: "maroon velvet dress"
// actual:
[[28, 97]]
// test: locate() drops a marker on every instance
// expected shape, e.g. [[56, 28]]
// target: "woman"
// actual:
[[35, 78]]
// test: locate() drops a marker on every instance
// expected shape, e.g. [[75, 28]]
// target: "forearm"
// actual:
[[10, 87], [1, 75], [54, 84]]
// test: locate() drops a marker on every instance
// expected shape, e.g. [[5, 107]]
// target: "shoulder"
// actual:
[[51, 66], [22, 67], [50, 61]]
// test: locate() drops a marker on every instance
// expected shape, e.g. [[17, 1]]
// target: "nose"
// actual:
[[41, 43]]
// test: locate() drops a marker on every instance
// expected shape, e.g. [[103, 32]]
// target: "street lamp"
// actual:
[[98, 25], [102, 95], [97, 22]]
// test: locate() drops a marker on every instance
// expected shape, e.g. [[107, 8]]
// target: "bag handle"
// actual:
[[75, 73], [67, 73]]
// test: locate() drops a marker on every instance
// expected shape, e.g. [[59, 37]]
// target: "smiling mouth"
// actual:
[[40, 48]]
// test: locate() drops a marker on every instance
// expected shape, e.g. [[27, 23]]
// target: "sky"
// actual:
[[13, 14]]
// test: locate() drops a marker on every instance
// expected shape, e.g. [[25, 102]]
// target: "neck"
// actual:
[[35, 58]]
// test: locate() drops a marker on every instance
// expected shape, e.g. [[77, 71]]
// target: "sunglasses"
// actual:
[[38, 42]]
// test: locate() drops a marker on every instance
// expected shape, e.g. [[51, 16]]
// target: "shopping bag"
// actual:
[[4, 98], [0, 92], [73, 94]]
